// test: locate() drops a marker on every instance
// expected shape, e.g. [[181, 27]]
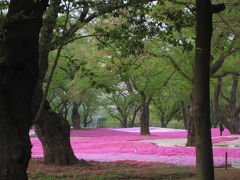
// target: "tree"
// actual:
[[225, 45], [144, 76], [228, 113], [55, 138], [166, 110], [90, 106], [19, 73], [122, 104], [201, 88], [49, 125]]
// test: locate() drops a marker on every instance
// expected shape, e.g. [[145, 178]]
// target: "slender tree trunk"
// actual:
[[166, 118], [18, 77], [124, 120], [162, 117], [144, 120], [65, 111], [85, 116], [134, 116], [234, 109], [190, 128], [163, 125], [184, 113], [76, 116], [124, 124], [144, 116], [201, 90], [233, 123]]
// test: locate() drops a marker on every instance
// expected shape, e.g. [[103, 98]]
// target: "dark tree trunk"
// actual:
[[190, 128], [163, 125], [233, 108], [190, 124], [184, 113], [76, 116], [144, 120], [162, 116], [166, 118], [136, 109], [52, 129], [18, 77], [65, 111], [144, 116], [124, 124], [233, 123], [201, 89], [54, 133], [124, 121]]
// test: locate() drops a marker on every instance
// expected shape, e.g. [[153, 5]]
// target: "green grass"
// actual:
[[44, 176], [164, 173]]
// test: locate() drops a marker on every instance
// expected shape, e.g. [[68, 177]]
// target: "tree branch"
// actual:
[[226, 74], [218, 64]]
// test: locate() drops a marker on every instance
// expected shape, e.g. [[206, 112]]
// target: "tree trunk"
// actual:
[[65, 111], [184, 113], [144, 116], [54, 133], [190, 128], [131, 124], [18, 77], [233, 123], [76, 116], [162, 117], [52, 129], [163, 125], [201, 90], [144, 120], [124, 122], [234, 109]]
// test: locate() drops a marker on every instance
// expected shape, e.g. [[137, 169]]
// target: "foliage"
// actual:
[[139, 43]]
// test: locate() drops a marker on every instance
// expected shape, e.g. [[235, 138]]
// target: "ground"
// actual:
[[121, 170]]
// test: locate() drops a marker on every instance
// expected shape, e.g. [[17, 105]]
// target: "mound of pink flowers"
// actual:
[[107, 145]]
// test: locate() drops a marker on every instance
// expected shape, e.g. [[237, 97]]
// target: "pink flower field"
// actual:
[[107, 145]]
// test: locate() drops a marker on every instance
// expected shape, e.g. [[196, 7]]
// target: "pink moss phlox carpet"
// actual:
[[113, 145]]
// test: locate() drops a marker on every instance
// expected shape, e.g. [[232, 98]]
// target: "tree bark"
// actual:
[[144, 116], [136, 109], [190, 128], [54, 133], [76, 116], [124, 121], [144, 120], [52, 129], [184, 111], [234, 109], [201, 91], [18, 77]]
